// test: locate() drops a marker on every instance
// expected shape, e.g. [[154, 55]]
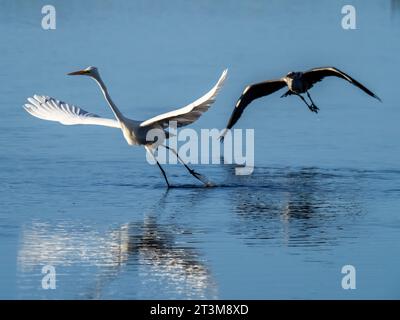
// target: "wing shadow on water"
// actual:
[[148, 251], [307, 207]]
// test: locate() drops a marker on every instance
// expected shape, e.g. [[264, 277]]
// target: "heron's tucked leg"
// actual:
[[159, 165], [287, 93], [315, 108], [311, 107], [195, 174]]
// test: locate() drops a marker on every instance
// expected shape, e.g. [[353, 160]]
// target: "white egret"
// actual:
[[134, 131]]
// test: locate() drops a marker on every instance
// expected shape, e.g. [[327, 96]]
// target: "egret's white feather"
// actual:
[[191, 112], [48, 108], [135, 132]]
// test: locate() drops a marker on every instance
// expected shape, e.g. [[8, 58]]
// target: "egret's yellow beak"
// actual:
[[78, 73]]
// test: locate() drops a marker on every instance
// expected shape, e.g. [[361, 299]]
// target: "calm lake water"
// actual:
[[325, 191]]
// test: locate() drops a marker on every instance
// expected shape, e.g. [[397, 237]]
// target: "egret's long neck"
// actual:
[[112, 105]]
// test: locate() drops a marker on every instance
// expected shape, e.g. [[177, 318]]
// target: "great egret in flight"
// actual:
[[134, 131], [297, 83]]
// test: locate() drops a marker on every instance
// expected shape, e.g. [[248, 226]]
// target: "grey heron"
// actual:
[[297, 84], [135, 132]]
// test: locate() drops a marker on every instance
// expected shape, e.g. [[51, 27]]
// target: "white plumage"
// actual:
[[135, 132], [191, 112], [48, 108]]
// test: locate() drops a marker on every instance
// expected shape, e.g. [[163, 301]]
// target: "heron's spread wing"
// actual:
[[317, 74], [251, 93], [48, 108], [191, 112]]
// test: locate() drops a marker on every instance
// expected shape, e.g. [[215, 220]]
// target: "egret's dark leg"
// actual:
[[312, 103], [163, 172], [195, 174], [288, 93], [159, 165]]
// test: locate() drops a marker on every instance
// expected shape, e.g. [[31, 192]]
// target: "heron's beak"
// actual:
[[78, 73]]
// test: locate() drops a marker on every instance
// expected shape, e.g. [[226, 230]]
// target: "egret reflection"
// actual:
[[144, 254], [161, 258]]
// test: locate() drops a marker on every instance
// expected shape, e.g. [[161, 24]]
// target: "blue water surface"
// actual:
[[325, 191]]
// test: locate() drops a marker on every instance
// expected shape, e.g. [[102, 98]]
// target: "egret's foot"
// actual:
[[196, 174], [168, 184], [199, 177]]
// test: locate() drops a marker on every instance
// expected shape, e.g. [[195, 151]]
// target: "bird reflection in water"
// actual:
[[164, 260], [148, 255], [300, 207]]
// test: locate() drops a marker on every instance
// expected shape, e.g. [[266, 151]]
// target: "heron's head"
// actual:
[[293, 75], [89, 71]]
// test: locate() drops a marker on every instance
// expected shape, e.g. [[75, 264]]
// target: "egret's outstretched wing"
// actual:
[[251, 93], [317, 74], [191, 112], [48, 108]]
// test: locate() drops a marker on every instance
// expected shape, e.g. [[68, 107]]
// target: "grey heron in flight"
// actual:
[[135, 132], [297, 84]]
